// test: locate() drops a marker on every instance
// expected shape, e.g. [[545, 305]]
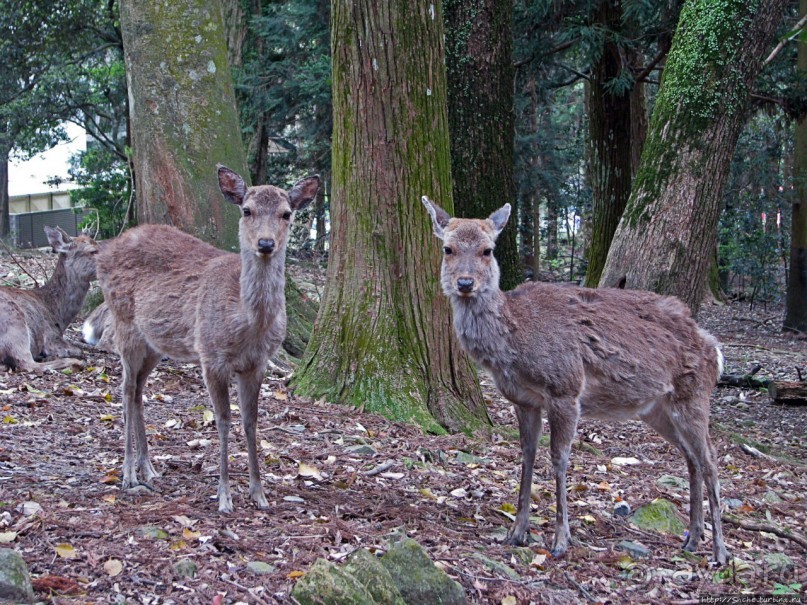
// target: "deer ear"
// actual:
[[499, 218], [59, 240], [303, 192], [439, 216], [232, 186]]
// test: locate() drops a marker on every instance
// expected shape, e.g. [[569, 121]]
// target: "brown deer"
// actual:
[[608, 353], [172, 294], [32, 322]]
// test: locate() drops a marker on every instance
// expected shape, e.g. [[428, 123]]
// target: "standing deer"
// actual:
[[608, 353], [32, 322], [172, 294]]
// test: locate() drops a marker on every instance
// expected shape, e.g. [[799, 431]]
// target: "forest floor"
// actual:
[[87, 541]]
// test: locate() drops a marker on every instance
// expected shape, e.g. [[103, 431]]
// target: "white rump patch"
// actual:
[[720, 360], [88, 332]]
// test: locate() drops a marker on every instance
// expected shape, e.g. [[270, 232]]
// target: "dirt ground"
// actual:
[[87, 541]]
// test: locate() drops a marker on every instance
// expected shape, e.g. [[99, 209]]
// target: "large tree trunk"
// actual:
[[479, 60], [183, 115], [796, 306], [666, 237], [383, 340], [610, 126]]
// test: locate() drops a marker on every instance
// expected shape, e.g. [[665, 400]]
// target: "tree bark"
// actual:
[[383, 340], [796, 301], [479, 61], [665, 238], [610, 126], [183, 114], [5, 219]]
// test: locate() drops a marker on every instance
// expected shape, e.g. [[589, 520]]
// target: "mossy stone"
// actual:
[[417, 578], [659, 515], [326, 583], [15, 583], [371, 573]]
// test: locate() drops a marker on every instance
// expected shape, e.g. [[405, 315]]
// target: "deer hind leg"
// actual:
[[563, 417], [529, 430], [137, 363], [689, 432], [249, 386], [219, 389]]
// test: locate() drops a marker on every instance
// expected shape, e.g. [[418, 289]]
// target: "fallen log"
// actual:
[[791, 393], [748, 381]]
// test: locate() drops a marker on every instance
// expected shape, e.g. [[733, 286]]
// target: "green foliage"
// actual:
[[752, 250], [105, 186]]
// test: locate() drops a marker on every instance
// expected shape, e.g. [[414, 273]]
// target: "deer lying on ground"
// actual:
[[172, 294], [607, 353], [98, 329], [32, 322]]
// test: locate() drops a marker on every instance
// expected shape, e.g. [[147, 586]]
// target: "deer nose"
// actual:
[[266, 246], [465, 284]]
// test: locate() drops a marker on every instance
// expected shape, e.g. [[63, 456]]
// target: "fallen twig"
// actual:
[[384, 466], [751, 450], [16, 262], [583, 590], [771, 529]]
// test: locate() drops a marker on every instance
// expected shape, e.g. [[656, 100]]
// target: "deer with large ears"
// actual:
[[32, 322], [569, 351], [172, 294]]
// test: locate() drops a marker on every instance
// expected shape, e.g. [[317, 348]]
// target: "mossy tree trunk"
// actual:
[[667, 234], [796, 306], [183, 115], [611, 130], [479, 60], [383, 339]]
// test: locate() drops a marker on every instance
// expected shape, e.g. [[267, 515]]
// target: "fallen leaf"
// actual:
[[113, 567], [588, 518], [7, 536], [189, 534], [295, 574], [107, 417], [306, 470], [509, 600], [624, 461], [66, 551], [207, 417]]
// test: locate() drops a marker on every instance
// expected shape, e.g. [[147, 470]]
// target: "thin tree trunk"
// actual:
[[551, 231], [667, 234], [479, 60], [383, 340], [5, 219], [796, 305], [183, 114], [610, 126]]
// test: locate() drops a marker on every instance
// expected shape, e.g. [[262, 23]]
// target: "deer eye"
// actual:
[[247, 212], [286, 215], [448, 250], [487, 251]]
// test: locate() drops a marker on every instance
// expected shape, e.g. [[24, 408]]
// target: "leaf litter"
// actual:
[[86, 540]]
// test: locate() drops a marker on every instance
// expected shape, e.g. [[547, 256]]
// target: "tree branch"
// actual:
[[782, 43]]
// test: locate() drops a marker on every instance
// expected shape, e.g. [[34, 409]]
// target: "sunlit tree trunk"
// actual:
[[479, 59], [383, 340], [183, 115], [796, 306], [667, 234]]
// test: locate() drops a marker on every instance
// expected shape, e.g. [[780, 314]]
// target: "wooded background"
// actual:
[[642, 145]]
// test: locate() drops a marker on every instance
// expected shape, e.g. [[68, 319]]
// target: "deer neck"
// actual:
[[263, 283], [63, 295], [483, 326]]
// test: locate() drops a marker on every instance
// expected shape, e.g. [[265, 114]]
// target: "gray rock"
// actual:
[[621, 509], [778, 562], [466, 458], [523, 554], [15, 583], [185, 568], [771, 497], [360, 450], [371, 573], [733, 503], [497, 566], [326, 583], [673, 482], [634, 549], [417, 579], [260, 568]]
